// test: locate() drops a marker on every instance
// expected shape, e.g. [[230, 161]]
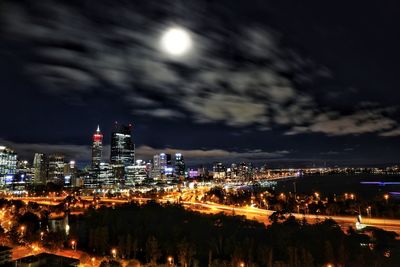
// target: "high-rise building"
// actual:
[[179, 165], [122, 147], [40, 168], [97, 148], [219, 171], [8, 165], [135, 174], [70, 172], [165, 160], [56, 169]]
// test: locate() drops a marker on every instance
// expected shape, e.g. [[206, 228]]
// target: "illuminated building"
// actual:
[[56, 169], [69, 173], [162, 166], [40, 169], [24, 168], [165, 160], [219, 171], [8, 165], [135, 174], [122, 147], [97, 148], [156, 169], [106, 175], [193, 173], [166, 168], [179, 165], [122, 151], [245, 171]]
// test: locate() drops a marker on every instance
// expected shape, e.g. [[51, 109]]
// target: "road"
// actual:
[[262, 215], [251, 213]]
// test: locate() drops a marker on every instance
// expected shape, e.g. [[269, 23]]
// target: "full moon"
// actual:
[[176, 41]]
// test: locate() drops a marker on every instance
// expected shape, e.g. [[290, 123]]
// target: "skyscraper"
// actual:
[[179, 165], [165, 160], [8, 165], [56, 168], [40, 169], [97, 148], [122, 147]]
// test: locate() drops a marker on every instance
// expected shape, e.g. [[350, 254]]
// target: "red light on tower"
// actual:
[[98, 136]]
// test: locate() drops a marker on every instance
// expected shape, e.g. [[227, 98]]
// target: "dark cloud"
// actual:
[[256, 70]]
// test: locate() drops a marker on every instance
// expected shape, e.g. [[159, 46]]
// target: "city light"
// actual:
[[114, 252]]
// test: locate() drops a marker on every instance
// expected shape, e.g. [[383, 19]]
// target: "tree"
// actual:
[[152, 249], [186, 252]]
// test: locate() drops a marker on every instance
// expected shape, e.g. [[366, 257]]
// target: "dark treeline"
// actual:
[[151, 233]]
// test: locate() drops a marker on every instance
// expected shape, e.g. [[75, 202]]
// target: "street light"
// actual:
[[22, 230], [41, 236], [73, 244], [242, 264], [170, 260], [93, 260], [114, 253], [386, 197]]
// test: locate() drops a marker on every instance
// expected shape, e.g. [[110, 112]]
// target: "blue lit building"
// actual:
[[8, 165]]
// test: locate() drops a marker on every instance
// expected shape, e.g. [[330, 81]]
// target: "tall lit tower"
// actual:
[[179, 165], [97, 148], [122, 146]]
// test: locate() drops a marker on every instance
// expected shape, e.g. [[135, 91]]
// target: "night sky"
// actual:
[[290, 83]]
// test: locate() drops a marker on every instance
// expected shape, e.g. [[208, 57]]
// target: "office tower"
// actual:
[[165, 160], [219, 171], [179, 165], [40, 169], [156, 170], [167, 170], [69, 173], [156, 162], [245, 171], [122, 147], [8, 165], [55, 169], [97, 148], [135, 174], [106, 175]]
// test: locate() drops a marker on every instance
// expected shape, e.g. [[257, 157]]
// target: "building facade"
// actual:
[[122, 146], [8, 165], [56, 169], [179, 165], [97, 149], [40, 168]]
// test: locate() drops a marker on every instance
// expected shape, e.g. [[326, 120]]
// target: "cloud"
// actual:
[[204, 156], [235, 110], [391, 133], [82, 153], [27, 150], [360, 122], [78, 52], [239, 75]]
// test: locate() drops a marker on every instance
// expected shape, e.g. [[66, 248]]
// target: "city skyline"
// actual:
[[177, 133], [297, 86]]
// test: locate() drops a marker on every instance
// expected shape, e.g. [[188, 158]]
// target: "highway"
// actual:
[[251, 213], [262, 215]]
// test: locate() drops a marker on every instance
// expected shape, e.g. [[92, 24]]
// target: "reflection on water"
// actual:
[[364, 185]]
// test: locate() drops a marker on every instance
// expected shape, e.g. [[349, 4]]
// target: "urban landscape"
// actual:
[[45, 200], [199, 133]]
